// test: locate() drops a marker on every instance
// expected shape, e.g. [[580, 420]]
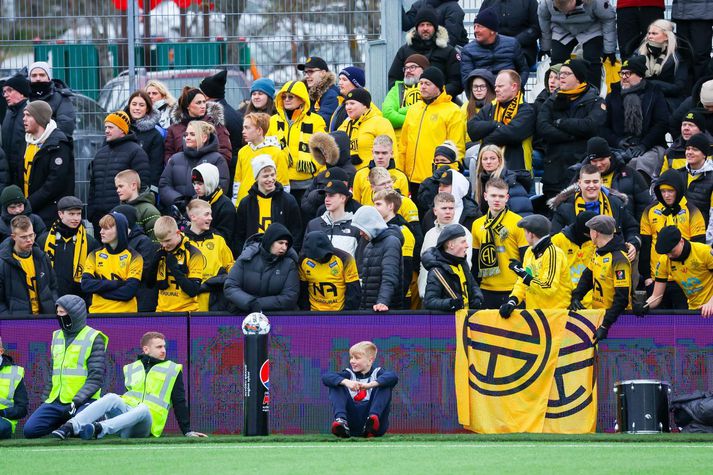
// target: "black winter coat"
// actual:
[[518, 18], [260, 281], [38, 226], [114, 156], [224, 216], [699, 191], [146, 296], [5, 177], [52, 176], [519, 183], [234, 124], [450, 15], [689, 103], [63, 111], [653, 109], [151, 141], [381, 270], [284, 211], [436, 296], [14, 296], [13, 140], [673, 79], [565, 126]]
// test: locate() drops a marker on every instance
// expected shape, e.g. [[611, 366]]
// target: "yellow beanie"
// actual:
[[120, 119]]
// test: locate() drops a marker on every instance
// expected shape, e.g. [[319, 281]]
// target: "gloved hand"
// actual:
[[306, 166], [517, 268], [171, 262], [576, 304], [507, 308], [542, 54], [640, 310], [477, 303], [356, 160], [457, 304], [72, 410], [609, 56], [600, 334], [637, 150], [624, 144]]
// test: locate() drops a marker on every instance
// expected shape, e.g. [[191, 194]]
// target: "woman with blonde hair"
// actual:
[[491, 164], [667, 61], [162, 100]]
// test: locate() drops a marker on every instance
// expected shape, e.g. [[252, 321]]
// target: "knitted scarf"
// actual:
[[505, 114], [600, 206], [655, 58], [80, 248], [488, 256], [633, 113]]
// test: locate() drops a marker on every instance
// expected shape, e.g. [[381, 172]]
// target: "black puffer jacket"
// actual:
[[381, 269], [13, 138], [38, 226], [5, 177], [114, 156], [14, 296], [518, 18], [57, 95], [565, 126], [450, 15], [261, 281], [700, 189], [151, 140], [436, 296], [519, 183]]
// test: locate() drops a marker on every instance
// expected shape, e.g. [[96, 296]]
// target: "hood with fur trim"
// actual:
[[324, 148], [214, 114], [318, 90], [147, 122], [573, 189], [441, 37]]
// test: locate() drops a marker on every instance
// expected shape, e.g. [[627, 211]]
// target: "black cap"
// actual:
[[597, 147], [667, 239], [336, 173], [579, 68], [434, 75], [635, 64], [450, 231], [536, 224], [336, 186], [360, 95], [69, 202], [314, 62], [446, 177]]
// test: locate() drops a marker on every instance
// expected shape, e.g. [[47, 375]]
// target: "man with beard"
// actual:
[[404, 93]]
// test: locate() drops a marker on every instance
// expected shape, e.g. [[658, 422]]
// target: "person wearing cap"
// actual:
[[53, 91], [67, 244], [13, 204], [382, 155], [496, 240], [13, 394], [214, 89], [348, 79], [47, 171], [262, 98], [617, 175], [120, 152], [466, 211], [112, 273], [429, 39], [518, 20], [698, 174], [543, 279], [508, 122], [450, 285], [329, 280], [608, 275], [218, 255], [379, 261], [362, 126], [420, 137], [492, 50], [336, 222], [675, 156], [450, 15], [255, 126], [565, 122], [672, 208], [293, 125], [686, 264], [480, 90], [16, 92], [576, 243], [567, 23], [404, 93], [322, 86], [266, 203], [638, 124], [205, 178], [27, 282], [265, 277]]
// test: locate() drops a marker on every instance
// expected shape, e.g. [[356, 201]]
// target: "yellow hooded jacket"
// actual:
[[362, 133]]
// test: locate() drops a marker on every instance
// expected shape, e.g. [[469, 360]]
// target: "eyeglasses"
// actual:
[[479, 87], [309, 72], [413, 67], [624, 74], [26, 237], [565, 74]]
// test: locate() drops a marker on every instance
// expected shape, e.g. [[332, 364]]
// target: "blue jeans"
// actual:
[[5, 429], [48, 417], [356, 413], [129, 422]]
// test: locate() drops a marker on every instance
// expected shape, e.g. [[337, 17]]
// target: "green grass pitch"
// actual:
[[392, 454]]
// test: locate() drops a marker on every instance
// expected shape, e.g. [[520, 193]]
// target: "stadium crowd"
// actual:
[[314, 197]]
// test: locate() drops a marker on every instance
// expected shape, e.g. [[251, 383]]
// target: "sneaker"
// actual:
[[340, 428], [372, 426], [64, 432], [90, 431]]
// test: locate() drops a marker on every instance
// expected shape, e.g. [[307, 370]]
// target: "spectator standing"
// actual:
[[161, 100], [321, 84], [55, 93], [518, 19], [404, 93], [128, 185], [450, 15], [214, 89], [14, 204], [336, 222], [492, 165], [148, 133], [633, 18], [16, 92], [694, 23]]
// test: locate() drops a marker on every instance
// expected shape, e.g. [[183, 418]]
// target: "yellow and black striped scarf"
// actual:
[[505, 114], [602, 203], [488, 255], [573, 94], [81, 246]]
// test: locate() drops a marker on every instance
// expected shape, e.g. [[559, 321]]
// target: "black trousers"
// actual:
[[699, 34], [632, 23], [592, 52], [493, 299]]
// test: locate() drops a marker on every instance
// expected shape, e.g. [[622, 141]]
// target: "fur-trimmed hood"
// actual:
[[324, 148], [147, 122], [318, 90], [441, 37], [571, 190], [214, 114]]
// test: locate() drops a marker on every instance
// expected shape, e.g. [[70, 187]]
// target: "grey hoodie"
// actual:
[[368, 219]]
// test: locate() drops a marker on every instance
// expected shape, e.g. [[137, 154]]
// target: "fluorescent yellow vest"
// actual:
[[152, 389], [69, 365], [10, 377]]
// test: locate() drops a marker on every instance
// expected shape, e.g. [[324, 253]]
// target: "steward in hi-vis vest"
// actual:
[[13, 395]]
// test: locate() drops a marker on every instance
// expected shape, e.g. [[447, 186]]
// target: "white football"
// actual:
[[256, 323]]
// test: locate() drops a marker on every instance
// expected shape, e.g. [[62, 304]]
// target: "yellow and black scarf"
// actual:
[[216, 195], [601, 206], [505, 114], [573, 94], [81, 247], [488, 256]]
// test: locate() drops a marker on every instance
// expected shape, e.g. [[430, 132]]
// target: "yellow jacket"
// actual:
[[244, 177], [426, 127], [294, 136], [551, 286], [362, 133], [361, 189]]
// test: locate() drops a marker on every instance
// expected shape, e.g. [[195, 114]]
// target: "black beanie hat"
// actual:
[[597, 147], [635, 64], [426, 14], [580, 224], [695, 117], [579, 68], [445, 151], [129, 213], [667, 239], [701, 142], [488, 18], [214, 86], [434, 75], [11, 195], [360, 95], [19, 83]]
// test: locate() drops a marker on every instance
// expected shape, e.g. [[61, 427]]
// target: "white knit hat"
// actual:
[[260, 162], [43, 65]]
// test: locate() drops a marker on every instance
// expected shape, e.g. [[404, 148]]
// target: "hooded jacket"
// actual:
[[518, 18], [503, 53], [244, 177], [589, 19], [96, 363], [222, 209], [18, 410], [14, 295], [466, 211], [116, 155], [450, 16], [436, 296], [430, 240], [293, 132], [214, 115], [675, 156], [146, 131], [52, 175], [261, 281], [341, 233], [420, 137], [324, 97], [13, 138], [379, 262], [519, 183], [175, 183], [362, 132], [38, 226], [283, 210], [327, 154], [146, 212], [439, 53], [57, 95], [700, 188], [692, 102]]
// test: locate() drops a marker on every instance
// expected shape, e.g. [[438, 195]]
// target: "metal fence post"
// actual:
[[131, 42]]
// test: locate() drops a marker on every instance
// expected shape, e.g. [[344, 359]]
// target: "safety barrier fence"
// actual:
[[419, 347]]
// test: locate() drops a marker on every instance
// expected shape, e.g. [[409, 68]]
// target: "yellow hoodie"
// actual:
[[244, 177], [362, 133]]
